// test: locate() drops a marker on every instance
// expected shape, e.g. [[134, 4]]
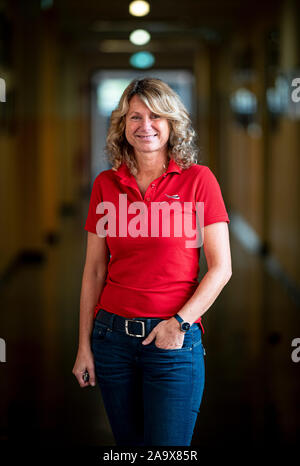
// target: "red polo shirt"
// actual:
[[152, 276]]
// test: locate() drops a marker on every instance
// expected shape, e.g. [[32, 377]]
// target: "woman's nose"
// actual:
[[146, 123]]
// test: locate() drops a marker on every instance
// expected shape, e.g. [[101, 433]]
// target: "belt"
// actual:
[[136, 327]]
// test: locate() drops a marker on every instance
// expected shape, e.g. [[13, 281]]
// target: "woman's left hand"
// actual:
[[167, 334]]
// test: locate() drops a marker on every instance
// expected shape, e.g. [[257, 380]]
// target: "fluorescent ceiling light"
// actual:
[[139, 8], [142, 60], [139, 37]]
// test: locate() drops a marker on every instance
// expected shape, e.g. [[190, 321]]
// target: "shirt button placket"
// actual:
[[148, 198]]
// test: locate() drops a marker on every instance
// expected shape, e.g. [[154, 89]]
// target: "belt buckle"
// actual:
[[133, 334]]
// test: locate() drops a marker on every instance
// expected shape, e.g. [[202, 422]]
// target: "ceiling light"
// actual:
[[139, 8], [139, 37], [46, 4], [142, 60]]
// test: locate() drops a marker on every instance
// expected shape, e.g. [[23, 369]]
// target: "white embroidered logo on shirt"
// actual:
[[173, 196]]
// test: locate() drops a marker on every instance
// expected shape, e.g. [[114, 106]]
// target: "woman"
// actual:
[[141, 302]]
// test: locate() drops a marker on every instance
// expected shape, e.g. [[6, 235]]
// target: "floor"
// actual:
[[251, 396]]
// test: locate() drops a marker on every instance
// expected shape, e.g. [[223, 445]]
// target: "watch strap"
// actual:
[[178, 318], [184, 326]]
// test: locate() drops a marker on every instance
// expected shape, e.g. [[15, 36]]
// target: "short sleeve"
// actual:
[[209, 192], [95, 199]]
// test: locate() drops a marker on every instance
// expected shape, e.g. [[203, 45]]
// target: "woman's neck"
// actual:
[[151, 168]]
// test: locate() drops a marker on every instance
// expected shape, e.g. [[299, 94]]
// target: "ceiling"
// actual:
[[93, 27], [108, 20]]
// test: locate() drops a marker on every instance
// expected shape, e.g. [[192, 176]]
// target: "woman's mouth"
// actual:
[[146, 137]]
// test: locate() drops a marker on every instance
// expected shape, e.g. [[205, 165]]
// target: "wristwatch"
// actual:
[[184, 326]]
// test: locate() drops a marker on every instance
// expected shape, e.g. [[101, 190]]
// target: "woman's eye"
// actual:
[[136, 117]]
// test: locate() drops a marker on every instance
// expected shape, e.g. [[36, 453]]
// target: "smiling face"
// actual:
[[145, 131]]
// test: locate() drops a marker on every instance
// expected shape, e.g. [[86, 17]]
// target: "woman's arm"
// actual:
[[94, 274], [217, 252]]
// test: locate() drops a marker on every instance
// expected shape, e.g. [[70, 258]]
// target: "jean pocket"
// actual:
[[100, 331], [186, 346]]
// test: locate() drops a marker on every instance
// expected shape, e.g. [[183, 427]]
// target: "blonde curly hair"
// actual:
[[163, 101]]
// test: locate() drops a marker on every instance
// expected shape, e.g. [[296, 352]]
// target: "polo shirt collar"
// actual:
[[124, 174]]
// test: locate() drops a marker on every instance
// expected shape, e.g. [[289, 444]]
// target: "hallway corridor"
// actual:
[[252, 386], [236, 68]]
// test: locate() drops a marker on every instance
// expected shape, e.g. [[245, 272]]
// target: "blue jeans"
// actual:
[[151, 395]]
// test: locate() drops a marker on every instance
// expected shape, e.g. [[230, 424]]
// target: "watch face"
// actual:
[[185, 326]]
